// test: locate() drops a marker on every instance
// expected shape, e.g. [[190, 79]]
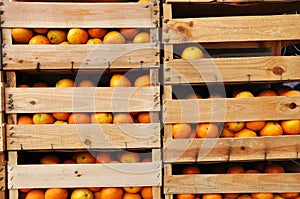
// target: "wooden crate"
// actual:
[[79, 99], [227, 28], [80, 15], [83, 175]]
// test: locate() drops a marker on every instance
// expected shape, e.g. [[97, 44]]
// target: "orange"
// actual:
[[129, 33], [23, 86], [283, 89], [255, 125], [60, 122], [191, 169], [185, 196], [56, 193], [271, 129], [143, 80], [103, 158], [193, 96], [192, 52], [146, 193], [111, 193], [262, 195], [245, 133], [97, 32], [143, 117], [274, 168], [79, 118], [95, 189], [35, 194], [40, 30], [69, 161], [244, 94], [114, 37], [56, 36], [181, 130], [40, 84], [276, 196], [43, 118], [101, 118], [252, 171], [292, 93], [132, 189], [65, 82], [25, 190], [22, 35], [77, 36], [82, 193], [86, 83], [131, 196], [118, 80], [207, 130], [61, 116], [235, 169], [291, 127], [94, 41], [212, 196], [142, 37], [234, 126], [289, 195], [24, 119], [39, 39], [85, 158], [231, 195], [50, 159], [129, 157], [225, 133], [267, 92], [122, 118], [244, 196]]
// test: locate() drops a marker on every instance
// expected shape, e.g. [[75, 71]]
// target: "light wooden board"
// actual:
[[232, 183], [84, 175], [249, 69], [88, 15], [231, 149], [231, 29], [92, 99], [230, 109], [68, 136], [226, 1]]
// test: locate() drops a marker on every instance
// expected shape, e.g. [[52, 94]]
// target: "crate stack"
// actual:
[[242, 43], [29, 63]]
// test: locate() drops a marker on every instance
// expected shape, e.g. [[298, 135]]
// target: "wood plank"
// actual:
[[231, 109], [231, 149], [231, 29], [232, 183], [88, 15], [104, 56], [269, 68], [81, 136], [84, 175], [226, 1], [92, 99]]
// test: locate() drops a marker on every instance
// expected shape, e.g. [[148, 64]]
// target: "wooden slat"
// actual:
[[106, 56], [84, 175], [250, 69], [231, 149], [81, 136], [230, 29], [88, 15], [226, 1], [232, 183], [231, 109], [96, 99]]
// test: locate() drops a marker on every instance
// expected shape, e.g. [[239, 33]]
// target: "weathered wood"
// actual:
[[249, 69], [231, 29], [231, 149], [81, 136], [93, 99], [232, 183], [226, 1], [88, 15], [231, 109], [84, 175]]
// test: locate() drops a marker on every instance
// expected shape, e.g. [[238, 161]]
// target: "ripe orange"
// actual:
[[212, 196], [61, 116], [77, 36], [129, 33], [255, 125], [86, 83], [292, 93], [56, 36], [143, 80], [111, 193], [245, 133], [39, 39], [94, 41], [25, 119], [234, 126], [82, 193], [60, 122], [56, 193], [146, 193], [271, 129], [243, 94], [97, 32], [143, 117], [252, 171], [65, 82], [244, 196], [40, 30], [43, 118], [23, 86], [101, 118], [225, 133], [103, 158], [291, 127], [122, 118], [274, 168], [277, 196], [142, 37], [132, 189], [235, 169], [50, 159], [22, 35], [114, 37], [129, 157], [193, 96], [192, 52], [69, 161], [185, 196], [35, 194], [207, 130], [289, 195], [181, 130], [118, 80], [85, 158], [95, 189], [231, 195], [283, 89], [40, 84], [191, 169], [267, 92], [79, 118], [131, 196], [25, 190], [262, 195]]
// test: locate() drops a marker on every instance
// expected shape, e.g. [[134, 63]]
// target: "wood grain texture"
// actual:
[[232, 183], [93, 99], [226, 1], [231, 149], [88, 15], [249, 69], [231, 29], [84, 175], [230, 109], [81, 136]]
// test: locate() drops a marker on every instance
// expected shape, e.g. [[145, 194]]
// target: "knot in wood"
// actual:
[[32, 102], [292, 105], [278, 70], [87, 142]]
